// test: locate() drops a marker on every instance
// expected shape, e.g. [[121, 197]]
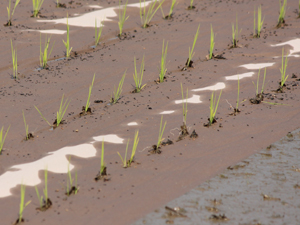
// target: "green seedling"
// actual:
[[213, 107], [299, 10], [43, 116], [103, 165], [146, 17], [122, 17], [67, 43], [163, 68], [282, 12], [212, 43], [44, 201], [14, 61], [70, 187], [257, 82], [117, 92], [191, 51], [26, 127], [9, 13], [235, 34], [238, 98], [191, 5], [44, 55], [283, 70], [169, 16], [138, 77], [161, 132], [135, 144], [184, 104], [260, 22], [89, 97], [62, 110], [98, 32], [2, 140], [22, 204], [37, 4]]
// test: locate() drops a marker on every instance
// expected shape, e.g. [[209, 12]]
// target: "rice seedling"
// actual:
[[191, 5], [169, 16], [9, 13], [60, 5], [117, 92], [161, 132], [62, 110], [236, 110], [103, 165], [235, 34], [213, 108], [282, 12], [98, 32], [191, 51], [259, 94], [256, 33], [212, 43], [2, 140], [89, 97], [22, 204], [42, 116], [71, 189], [135, 144], [26, 127], [184, 104], [299, 10], [44, 201], [146, 17], [37, 4], [283, 70], [67, 43], [122, 17], [44, 55], [14, 61], [138, 77], [163, 68]]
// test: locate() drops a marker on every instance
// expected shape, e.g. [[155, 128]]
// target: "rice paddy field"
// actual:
[[181, 95]]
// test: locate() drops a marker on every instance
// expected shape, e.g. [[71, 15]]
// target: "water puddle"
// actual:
[[239, 76], [294, 43], [132, 124], [51, 31], [217, 86], [256, 66], [193, 99], [167, 112]]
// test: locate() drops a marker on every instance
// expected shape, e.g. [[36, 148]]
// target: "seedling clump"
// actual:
[[163, 69], [98, 32], [132, 157], [9, 13], [284, 77], [259, 96], [37, 4], [281, 21], [14, 61], [122, 19], [86, 109], [45, 202], [260, 22], [22, 205], [235, 34], [213, 109], [191, 6], [138, 77], [170, 15], [67, 43], [146, 17], [71, 189], [60, 5], [156, 148], [28, 135], [102, 174], [117, 92], [2, 140], [211, 54], [189, 62], [183, 129], [61, 112], [44, 55], [236, 110]]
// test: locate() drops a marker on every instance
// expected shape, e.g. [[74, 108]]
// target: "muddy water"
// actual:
[[262, 189]]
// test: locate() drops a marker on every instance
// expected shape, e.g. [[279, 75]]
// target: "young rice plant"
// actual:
[[260, 22], [122, 17], [191, 51], [37, 4], [103, 165], [2, 140], [138, 77], [282, 12], [213, 107], [43, 116], [212, 42], [43, 200], [70, 181], [161, 132], [283, 70], [163, 68], [184, 104], [14, 61], [44, 55], [135, 144], [22, 203], [90, 91], [62, 110], [171, 10], [146, 17], [257, 82], [26, 127], [235, 33], [67, 43], [9, 13], [117, 92], [98, 32]]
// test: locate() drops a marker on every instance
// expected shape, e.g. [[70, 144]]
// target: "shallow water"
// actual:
[[263, 189]]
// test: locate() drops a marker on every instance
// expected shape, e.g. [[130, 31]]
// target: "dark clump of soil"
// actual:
[[294, 76], [234, 44], [155, 150], [8, 24], [258, 99], [168, 142], [218, 217], [29, 136], [84, 113], [157, 81], [61, 5], [55, 123], [210, 123], [73, 190], [124, 36], [194, 135], [235, 112], [183, 132], [168, 17], [47, 204], [281, 24], [18, 221], [102, 176], [215, 56], [191, 7], [98, 101], [189, 64]]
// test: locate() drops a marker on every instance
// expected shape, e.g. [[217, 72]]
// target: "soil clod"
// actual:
[[215, 56], [73, 190], [18, 221], [258, 99], [155, 150], [175, 212], [194, 135], [61, 5], [84, 113], [168, 142], [102, 176], [189, 64], [235, 112], [47, 204], [210, 123], [98, 101], [218, 217], [183, 132]]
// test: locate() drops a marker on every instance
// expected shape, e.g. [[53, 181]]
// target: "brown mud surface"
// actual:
[[262, 189], [159, 178]]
